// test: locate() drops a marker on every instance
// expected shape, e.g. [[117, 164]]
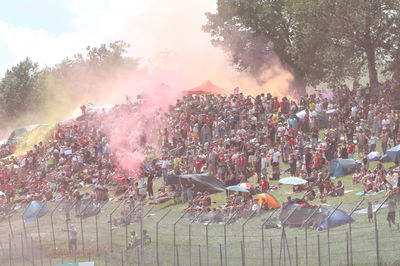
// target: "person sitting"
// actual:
[[310, 194], [339, 189]]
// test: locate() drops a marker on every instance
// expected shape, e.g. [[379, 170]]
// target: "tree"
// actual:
[[367, 30], [83, 73], [20, 90], [317, 40], [254, 32]]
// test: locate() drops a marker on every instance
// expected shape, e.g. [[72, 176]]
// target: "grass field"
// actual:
[[200, 245]]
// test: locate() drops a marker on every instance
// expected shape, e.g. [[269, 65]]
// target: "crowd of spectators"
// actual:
[[231, 137]]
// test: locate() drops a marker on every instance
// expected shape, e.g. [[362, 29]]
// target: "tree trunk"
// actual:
[[373, 74], [297, 87]]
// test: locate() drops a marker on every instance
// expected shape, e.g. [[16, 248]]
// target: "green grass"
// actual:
[[363, 236]]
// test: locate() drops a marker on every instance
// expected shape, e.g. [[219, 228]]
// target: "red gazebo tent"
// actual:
[[206, 88]]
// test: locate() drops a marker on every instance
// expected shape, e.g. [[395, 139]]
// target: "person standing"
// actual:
[[164, 169], [73, 238], [370, 212], [391, 217]]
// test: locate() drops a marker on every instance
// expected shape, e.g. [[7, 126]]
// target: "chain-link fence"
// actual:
[[119, 234]]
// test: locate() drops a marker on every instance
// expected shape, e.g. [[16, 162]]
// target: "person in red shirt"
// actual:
[[264, 185], [241, 163], [351, 148], [198, 164]]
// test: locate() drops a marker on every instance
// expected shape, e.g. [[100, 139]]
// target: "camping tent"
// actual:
[[35, 210], [393, 153], [206, 88], [374, 156], [337, 218], [298, 212], [270, 200], [341, 167], [203, 182]]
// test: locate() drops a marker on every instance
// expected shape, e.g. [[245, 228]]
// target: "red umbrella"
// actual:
[[119, 177]]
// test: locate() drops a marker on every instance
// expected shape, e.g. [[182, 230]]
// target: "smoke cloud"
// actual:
[[167, 36]]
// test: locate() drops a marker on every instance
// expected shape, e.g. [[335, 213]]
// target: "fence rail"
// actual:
[[163, 237]]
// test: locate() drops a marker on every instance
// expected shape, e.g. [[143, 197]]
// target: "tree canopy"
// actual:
[[27, 89], [316, 40]]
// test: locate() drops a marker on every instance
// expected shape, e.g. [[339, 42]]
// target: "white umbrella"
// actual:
[[292, 180]]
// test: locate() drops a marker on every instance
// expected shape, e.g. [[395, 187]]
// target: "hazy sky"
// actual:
[[49, 30]]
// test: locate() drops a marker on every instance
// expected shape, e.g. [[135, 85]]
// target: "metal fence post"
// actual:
[[199, 255], [376, 231], [11, 230], [284, 244], [40, 238], [81, 220], [126, 225], [328, 231], [271, 250], [177, 221], [9, 250], [350, 235], [347, 248], [22, 250], [220, 255], [33, 256], [177, 256], [305, 223], [319, 251], [23, 221], [142, 216], [225, 248], [97, 228], [157, 223], [52, 227], [111, 235], [67, 222], [297, 254], [262, 237], [190, 236], [207, 256], [243, 225], [242, 253]]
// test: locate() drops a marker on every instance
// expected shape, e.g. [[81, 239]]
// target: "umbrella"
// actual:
[[237, 188], [270, 200], [374, 156], [119, 177], [292, 181], [246, 185]]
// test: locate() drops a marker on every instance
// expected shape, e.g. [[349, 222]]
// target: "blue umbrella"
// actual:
[[237, 188], [295, 181], [35, 210]]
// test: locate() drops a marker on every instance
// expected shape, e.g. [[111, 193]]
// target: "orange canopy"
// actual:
[[206, 88], [268, 199]]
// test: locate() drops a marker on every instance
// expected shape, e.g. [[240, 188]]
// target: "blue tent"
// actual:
[[385, 159], [393, 153], [338, 218], [342, 167], [35, 210]]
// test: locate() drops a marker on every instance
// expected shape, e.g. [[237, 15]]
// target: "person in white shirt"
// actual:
[[372, 142], [264, 165], [256, 207]]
